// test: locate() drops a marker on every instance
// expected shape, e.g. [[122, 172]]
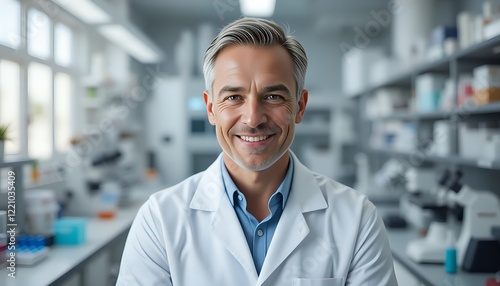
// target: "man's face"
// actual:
[[254, 107]]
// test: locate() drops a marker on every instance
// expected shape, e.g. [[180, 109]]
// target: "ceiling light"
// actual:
[[257, 8], [131, 43], [86, 10]]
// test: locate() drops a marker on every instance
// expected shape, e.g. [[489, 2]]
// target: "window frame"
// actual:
[[21, 56]]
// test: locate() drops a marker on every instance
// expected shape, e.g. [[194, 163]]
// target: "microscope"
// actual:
[[478, 245], [431, 248]]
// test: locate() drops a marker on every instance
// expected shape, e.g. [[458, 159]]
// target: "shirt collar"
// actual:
[[284, 187]]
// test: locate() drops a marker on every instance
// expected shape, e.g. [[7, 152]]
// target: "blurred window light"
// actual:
[[257, 8], [86, 10], [38, 36], [134, 46], [63, 90], [9, 104], [10, 31], [63, 45], [40, 111]]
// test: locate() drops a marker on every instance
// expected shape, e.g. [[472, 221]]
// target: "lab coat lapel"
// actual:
[[305, 196], [225, 226]]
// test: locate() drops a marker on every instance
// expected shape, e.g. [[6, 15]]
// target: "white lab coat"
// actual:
[[189, 235]]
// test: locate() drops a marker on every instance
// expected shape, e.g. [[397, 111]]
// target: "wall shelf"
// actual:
[[455, 160], [16, 162], [403, 80], [479, 110], [410, 116], [377, 133], [479, 52], [462, 112]]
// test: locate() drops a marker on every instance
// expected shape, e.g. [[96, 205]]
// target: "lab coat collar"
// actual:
[[210, 190], [305, 196]]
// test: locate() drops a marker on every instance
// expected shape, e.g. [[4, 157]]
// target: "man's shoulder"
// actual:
[[180, 192], [336, 193]]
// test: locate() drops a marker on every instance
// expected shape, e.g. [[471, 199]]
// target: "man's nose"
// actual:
[[254, 113]]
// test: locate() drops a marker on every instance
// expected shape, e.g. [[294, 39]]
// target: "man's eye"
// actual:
[[273, 97], [233, 97]]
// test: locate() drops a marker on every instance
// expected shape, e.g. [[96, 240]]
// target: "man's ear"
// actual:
[[210, 107], [302, 106]]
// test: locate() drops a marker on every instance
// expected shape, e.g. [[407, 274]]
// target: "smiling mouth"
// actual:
[[254, 138]]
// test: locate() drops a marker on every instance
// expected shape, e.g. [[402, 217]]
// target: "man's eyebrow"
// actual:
[[228, 88], [278, 87], [271, 88]]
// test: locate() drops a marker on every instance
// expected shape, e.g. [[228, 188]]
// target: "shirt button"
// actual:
[[240, 198], [260, 232]]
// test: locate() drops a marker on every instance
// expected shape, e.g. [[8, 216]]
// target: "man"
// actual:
[[256, 216]]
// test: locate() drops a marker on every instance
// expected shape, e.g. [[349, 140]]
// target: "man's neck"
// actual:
[[258, 186]]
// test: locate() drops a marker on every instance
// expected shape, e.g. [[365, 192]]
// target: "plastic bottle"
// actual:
[[109, 199]]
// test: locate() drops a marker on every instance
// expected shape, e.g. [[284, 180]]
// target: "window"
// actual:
[[62, 113], [9, 103], [38, 36], [36, 95], [63, 38], [40, 111], [10, 33]]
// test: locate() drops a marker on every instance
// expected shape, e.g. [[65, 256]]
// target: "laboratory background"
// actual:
[[101, 105]]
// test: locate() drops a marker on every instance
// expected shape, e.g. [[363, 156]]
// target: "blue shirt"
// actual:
[[258, 235]]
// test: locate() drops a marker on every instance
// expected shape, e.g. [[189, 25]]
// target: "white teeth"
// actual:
[[254, 139]]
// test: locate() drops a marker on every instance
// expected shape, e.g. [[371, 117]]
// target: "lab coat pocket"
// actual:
[[318, 282]]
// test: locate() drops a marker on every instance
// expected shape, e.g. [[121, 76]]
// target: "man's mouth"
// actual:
[[254, 138]]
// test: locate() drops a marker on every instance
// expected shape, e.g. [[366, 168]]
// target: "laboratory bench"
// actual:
[[426, 274], [69, 265]]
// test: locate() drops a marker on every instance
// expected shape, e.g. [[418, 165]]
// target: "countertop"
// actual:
[[63, 261]]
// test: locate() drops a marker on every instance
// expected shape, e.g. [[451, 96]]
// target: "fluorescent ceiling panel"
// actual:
[[125, 39], [257, 8], [85, 10]]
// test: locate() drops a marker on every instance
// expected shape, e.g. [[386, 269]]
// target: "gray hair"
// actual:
[[257, 32]]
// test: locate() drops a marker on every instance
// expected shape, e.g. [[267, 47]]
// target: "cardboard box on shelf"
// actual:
[[487, 95]]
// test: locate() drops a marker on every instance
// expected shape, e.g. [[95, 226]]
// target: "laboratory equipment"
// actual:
[[70, 230], [477, 246], [450, 261], [384, 184], [31, 249], [41, 211], [432, 248], [103, 178]]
